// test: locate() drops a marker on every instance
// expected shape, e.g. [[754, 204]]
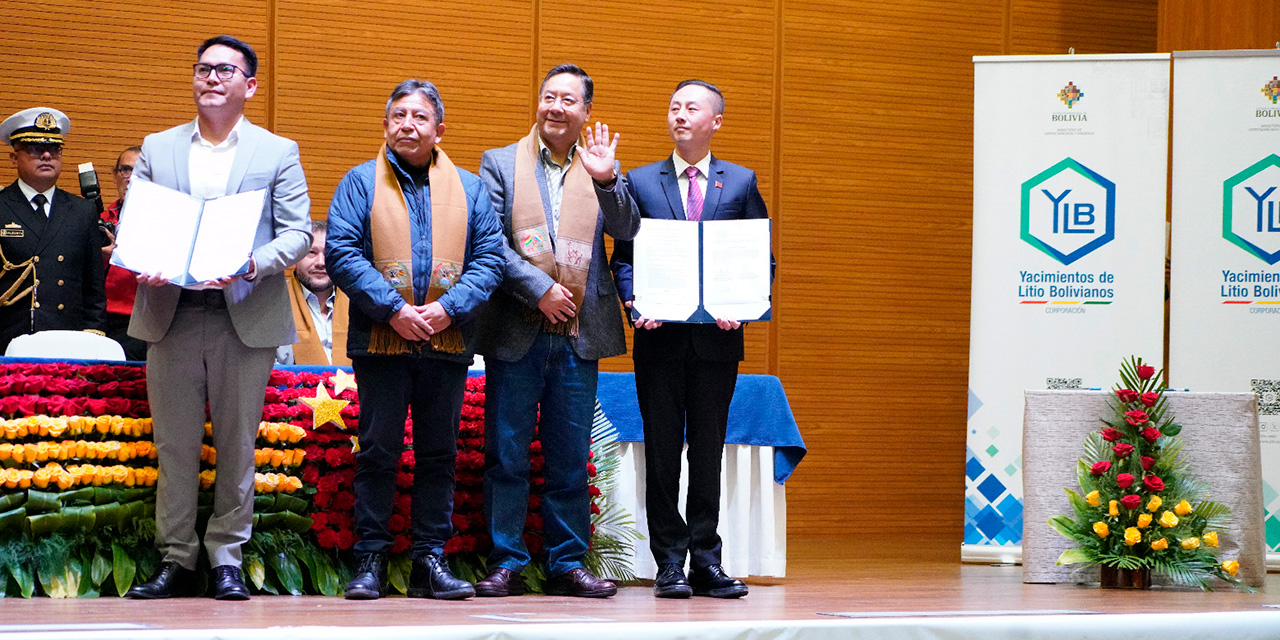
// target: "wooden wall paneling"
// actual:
[[1090, 26], [119, 70], [876, 193], [636, 53], [1191, 25], [339, 62]]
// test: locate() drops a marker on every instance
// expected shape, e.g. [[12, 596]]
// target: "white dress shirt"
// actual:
[[209, 165], [30, 192]]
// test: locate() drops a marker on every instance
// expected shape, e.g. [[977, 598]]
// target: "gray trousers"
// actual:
[[202, 358]]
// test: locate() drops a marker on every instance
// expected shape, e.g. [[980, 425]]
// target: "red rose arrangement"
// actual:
[[1139, 508]]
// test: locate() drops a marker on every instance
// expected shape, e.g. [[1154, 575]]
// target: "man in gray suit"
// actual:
[[217, 340], [547, 327]]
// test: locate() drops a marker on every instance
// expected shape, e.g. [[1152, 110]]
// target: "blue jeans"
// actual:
[[551, 377], [389, 386]]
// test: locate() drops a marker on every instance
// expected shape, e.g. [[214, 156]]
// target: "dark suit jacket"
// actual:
[[504, 332], [71, 293], [731, 195]]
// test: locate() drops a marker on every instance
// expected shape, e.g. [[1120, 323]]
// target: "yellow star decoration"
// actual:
[[342, 381], [355, 444], [326, 409]]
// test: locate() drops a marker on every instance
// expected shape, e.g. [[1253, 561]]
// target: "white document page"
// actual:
[[665, 269], [226, 235], [156, 228], [735, 268]]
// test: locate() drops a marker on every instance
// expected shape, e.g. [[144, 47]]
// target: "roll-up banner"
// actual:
[[1069, 179], [1224, 322]]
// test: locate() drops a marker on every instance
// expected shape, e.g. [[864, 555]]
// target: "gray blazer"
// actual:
[[504, 332], [260, 309]]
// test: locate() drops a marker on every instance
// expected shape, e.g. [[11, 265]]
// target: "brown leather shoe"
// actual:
[[579, 583], [499, 583]]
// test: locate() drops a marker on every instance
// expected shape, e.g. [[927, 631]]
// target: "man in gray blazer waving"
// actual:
[[217, 340], [546, 329]]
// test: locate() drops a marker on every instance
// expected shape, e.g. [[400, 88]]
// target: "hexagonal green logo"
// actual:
[[1068, 211], [1251, 209]]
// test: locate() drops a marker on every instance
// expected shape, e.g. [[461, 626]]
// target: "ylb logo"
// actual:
[[1068, 210], [1251, 209]]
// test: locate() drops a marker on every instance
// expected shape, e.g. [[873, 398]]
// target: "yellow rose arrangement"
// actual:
[[1131, 469], [278, 457], [270, 482], [274, 432], [1132, 536]]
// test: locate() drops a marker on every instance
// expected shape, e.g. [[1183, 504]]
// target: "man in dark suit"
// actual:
[[547, 327], [686, 373], [218, 339], [52, 271]]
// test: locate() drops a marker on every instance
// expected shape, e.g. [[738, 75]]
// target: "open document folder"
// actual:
[[184, 238], [700, 271]]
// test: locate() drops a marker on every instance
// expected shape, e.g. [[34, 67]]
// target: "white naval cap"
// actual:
[[37, 125]]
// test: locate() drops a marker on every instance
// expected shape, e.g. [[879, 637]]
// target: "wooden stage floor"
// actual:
[[880, 598]]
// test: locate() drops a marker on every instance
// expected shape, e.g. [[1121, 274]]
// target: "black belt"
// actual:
[[205, 298]]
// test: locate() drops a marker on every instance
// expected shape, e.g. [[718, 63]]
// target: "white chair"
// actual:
[[69, 345]]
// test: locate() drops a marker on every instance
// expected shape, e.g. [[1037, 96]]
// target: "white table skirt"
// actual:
[[753, 510]]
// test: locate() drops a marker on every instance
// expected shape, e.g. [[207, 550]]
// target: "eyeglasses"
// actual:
[[225, 71], [36, 150], [125, 169]]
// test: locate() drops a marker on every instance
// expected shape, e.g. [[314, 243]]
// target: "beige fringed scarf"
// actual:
[[575, 241], [393, 247]]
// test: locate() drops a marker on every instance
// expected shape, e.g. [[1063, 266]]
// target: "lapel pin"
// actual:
[[719, 185]]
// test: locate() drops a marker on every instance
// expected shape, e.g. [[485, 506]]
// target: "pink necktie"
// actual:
[[693, 209]]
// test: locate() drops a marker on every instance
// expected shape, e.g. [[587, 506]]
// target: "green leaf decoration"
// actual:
[[100, 567], [13, 521], [1074, 556], [1171, 429], [255, 570], [12, 500], [534, 577], [287, 572], [123, 568], [398, 573], [286, 502], [323, 578], [25, 579], [42, 501], [1064, 525], [63, 582]]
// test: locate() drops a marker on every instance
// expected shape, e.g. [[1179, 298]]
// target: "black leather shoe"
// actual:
[[671, 582], [579, 583], [169, 581], [712, 581], [500, 583], [228, 583], [431, 578], [370, 582]]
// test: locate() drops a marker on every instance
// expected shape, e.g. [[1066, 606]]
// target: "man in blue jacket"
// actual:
[[415, 245]]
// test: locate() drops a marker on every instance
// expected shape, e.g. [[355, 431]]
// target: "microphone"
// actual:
[[89, 188]]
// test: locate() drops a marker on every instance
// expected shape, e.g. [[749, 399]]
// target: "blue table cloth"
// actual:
[[759, 415]]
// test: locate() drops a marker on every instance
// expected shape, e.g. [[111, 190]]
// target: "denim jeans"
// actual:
[[389, 385], [550, 377]]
